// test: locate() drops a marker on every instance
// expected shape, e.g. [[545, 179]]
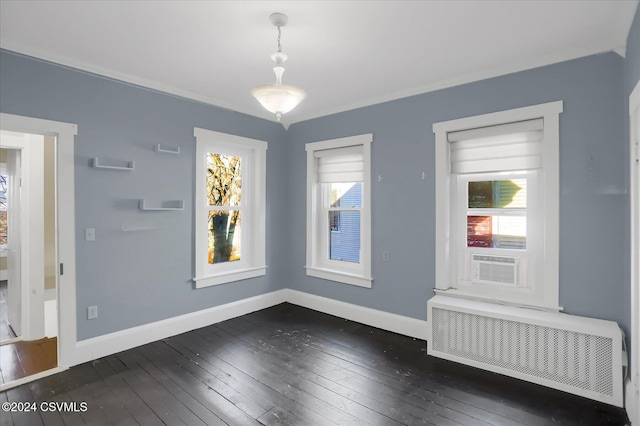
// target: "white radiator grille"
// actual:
[[551, 354], [575, 359]]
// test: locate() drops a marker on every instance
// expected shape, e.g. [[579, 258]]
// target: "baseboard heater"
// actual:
[[579, 355]]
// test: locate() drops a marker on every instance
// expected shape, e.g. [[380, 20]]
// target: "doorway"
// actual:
[[29, 292], [40, 243]]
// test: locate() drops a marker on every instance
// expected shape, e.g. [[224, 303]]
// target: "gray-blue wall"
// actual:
[[141, 277], [593, 205]]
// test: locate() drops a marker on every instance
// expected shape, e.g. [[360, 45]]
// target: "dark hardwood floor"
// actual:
[[294, 366]]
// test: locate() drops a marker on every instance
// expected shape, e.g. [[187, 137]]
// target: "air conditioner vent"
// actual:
[[488, 269]]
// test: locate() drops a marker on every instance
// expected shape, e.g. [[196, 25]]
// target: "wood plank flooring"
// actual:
[[289, 365], [24, 358]]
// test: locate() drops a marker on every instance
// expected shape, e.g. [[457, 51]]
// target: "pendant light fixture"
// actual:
[[279, 98]]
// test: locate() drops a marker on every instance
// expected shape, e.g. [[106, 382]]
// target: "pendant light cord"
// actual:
[[279, 34]]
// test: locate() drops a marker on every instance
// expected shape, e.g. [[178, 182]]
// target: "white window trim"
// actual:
[[253, 263], [316, 266], [546, 295]]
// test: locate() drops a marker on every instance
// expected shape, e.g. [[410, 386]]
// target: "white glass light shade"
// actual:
[[279, 98]]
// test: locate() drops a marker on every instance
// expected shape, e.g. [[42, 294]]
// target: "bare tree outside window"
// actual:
[[224, 188]]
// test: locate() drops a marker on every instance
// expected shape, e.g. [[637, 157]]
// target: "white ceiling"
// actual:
[[345, 54]]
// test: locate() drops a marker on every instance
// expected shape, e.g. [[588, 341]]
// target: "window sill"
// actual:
[[227, 277], [461, 294], [338, 276]]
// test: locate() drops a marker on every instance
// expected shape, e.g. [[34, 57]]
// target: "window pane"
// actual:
[[509, 232], [506, 194], [344, 243], [224, 236], [224, 179], [334, 221], [346, 194]]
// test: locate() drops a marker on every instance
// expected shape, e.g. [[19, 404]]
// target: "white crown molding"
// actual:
[[621, 50], [465, 79], [121, 77], [297, 117]]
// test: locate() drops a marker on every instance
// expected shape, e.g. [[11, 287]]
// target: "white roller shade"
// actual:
[[506, 147], [340, 164]]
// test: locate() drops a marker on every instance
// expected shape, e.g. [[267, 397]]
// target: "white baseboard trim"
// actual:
[[98, 347], [632, 402], [380, 319]]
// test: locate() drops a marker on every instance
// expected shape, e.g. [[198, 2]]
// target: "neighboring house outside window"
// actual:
[[339, 210], [497, 203], [229, 207], [344, 238]]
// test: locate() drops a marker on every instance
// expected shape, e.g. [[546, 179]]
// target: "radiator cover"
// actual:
[[574, 354]]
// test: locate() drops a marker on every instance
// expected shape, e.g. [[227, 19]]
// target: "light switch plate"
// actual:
[[92, 312]]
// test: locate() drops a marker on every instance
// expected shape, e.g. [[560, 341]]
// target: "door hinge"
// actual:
[[62, 269]]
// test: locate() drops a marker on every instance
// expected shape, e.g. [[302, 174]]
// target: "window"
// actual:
[[338, 210], [497, 213], [497, 206], [229, 208]]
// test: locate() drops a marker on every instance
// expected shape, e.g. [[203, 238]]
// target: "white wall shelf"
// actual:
[[167, 149], [138, 227], [167, 205], [103, 163]]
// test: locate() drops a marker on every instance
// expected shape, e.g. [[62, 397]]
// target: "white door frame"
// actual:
[[65, 212], [632, 402], [26, 257]]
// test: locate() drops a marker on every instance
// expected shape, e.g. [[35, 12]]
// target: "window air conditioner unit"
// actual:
[[495, 270]]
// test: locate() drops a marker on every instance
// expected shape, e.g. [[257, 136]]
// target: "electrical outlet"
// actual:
[[90, 234], [385, 256], [92, 312]]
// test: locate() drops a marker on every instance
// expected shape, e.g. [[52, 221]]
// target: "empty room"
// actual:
[[431, 218]]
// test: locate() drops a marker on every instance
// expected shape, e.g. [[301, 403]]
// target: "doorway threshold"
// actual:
[[31, 378]]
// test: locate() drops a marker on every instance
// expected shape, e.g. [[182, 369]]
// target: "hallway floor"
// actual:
[[21, 359]]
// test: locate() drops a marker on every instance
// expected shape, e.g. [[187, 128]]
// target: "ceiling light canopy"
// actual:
[[279, 98]]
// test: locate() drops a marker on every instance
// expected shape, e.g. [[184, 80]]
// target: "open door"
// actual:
[[14, 289], [25, 233]]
